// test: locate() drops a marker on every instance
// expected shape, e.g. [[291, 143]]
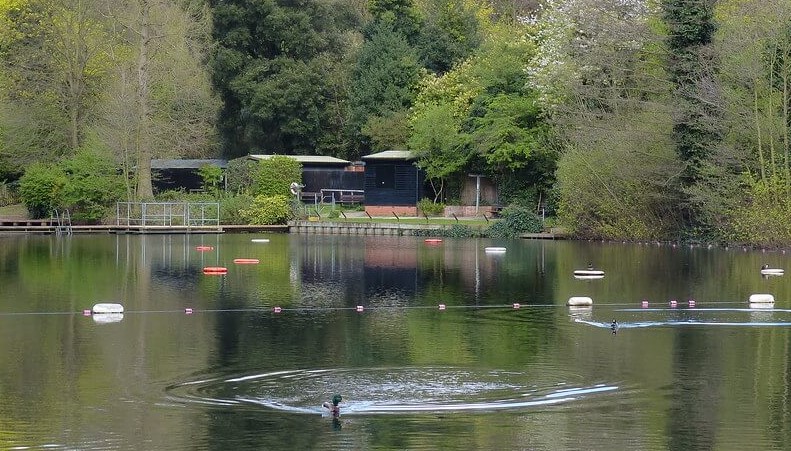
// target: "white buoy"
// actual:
[[762, 299], [588, 272], [106, 318], [260, 240], [591, 277], [579, 301], [772, 272], [107, 307], [495, 249]]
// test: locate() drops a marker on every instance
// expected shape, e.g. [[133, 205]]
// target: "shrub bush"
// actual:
[[41, 189], [93, 186], [429, 208], [275, 176], [240, 174], [268, 210], [514, 221], [232, 208]]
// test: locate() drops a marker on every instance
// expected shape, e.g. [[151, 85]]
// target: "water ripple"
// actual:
[[386, 390]]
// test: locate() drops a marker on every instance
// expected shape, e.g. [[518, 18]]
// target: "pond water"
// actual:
[[454, 347]]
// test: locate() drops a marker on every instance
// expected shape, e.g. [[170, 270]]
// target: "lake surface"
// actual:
[[455, 347]]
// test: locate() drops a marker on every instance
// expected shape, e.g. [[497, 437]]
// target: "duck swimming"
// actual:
[[333, 406]]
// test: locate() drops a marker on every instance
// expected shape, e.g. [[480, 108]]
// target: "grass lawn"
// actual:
[[13, 211]]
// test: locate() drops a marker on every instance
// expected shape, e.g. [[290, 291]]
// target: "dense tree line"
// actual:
[[630, 119]]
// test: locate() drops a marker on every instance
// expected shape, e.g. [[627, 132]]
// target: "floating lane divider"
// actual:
[[260, 240], [245, 261], [204, 248], [215, 270]]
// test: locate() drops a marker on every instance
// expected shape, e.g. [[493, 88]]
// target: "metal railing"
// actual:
[[169, 214]]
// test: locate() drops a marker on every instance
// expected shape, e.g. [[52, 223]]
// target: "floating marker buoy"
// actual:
[[215, 270], [433, 241], [589, 272], [260, 240], [644, 304], [691, 303], [772, 271], [188, 311], [204, 248], [579, 301], [496, 250], [277, 309], [673, 303], [86, 312], [761, 299], [107, 308], [516, 305], [360, 308], [245, 261], [442, 306]]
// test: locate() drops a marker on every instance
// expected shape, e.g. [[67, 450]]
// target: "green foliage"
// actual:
[[94, 185], [449, 34], [275, 175], [42, 188], [384, 79], [7, 195], [430, 208], [763, 218], [232, 208], [241, 175], [515, 221], [211, 178], [268, 210], [280, 69]]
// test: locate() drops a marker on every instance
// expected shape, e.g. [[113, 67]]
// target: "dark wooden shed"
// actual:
[[180, 174], [393, 183]]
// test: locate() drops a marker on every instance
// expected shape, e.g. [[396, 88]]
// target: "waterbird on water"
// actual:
[[333, 406]]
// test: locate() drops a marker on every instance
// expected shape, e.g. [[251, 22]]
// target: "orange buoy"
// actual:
[[215, 270], [245, 261], [433, 240], [204, 248]]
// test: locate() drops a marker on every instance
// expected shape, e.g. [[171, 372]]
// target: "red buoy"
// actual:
[[245, 261], [215, 270], [204, 248]]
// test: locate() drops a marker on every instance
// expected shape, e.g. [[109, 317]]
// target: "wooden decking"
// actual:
[[46, 227]]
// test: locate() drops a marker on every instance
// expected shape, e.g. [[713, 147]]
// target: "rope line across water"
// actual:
[[276, 309]]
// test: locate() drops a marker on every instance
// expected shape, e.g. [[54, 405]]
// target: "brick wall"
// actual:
[[388, 210]]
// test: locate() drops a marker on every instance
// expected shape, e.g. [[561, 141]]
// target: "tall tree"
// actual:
[[53, 57], [158, 102], [384, 81], [276, 65], [692, 67]]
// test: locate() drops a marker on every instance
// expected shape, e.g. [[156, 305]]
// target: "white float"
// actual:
[[260, 240], [588, 272], [106, 318], [589, 277], [495, 249], [772, 271], [107, 307], [762, 299], [762, 306], [579, 301]]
